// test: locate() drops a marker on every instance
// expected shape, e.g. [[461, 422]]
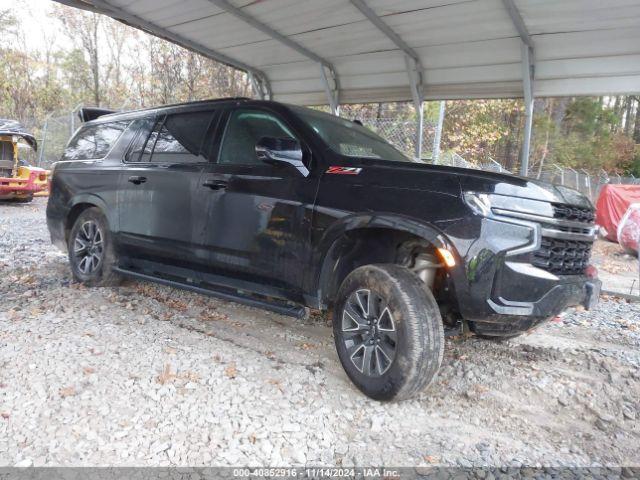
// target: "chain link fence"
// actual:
[[588, 183], [57, 129], [402, 134]]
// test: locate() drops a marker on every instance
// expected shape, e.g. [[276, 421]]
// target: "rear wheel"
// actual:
[[91, 251], [388, 332]]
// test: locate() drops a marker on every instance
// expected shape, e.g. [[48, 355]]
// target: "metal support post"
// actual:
[[415, 82], [331, 92], [44, 140], [438, 136], [256, 86], [527, 83]]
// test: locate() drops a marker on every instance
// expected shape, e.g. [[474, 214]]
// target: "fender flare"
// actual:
[[94, 199], [337, 231]]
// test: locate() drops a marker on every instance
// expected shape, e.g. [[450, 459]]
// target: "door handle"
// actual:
[[136, 180], [215, 184]]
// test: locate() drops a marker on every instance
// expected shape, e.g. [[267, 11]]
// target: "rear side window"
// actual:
[[94, 141], [142, 127], [180, 137]]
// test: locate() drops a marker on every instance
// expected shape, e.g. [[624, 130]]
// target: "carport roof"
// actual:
[[377, 50]]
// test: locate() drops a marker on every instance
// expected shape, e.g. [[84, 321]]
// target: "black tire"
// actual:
[[415, 317], [26, 199], [100, 272]]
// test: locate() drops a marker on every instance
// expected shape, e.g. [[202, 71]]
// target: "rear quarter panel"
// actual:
[[87, 181]]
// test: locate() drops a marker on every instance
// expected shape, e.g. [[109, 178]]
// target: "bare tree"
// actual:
[[116, 36], [193, 73], [83, 29], [166, 62]]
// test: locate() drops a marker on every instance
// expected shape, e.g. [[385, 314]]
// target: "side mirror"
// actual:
[[279, 151]]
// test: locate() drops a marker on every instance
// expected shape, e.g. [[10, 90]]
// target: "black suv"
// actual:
[[286, 208]]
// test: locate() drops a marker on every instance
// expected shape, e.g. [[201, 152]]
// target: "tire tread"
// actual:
[[422, 320]]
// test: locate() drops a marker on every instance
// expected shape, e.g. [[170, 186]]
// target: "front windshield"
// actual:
[[348, 138]]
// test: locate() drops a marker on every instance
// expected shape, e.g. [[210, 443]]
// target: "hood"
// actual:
[[408, 175], [523, 187], [14, 128]]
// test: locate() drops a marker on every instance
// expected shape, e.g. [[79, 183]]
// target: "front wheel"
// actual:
[[91, 251], [388, 331]]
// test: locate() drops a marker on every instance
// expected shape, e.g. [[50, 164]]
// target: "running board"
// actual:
[[298, 312]]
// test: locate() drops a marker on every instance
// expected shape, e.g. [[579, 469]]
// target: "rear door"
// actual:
[[259, 215], [160, 211]]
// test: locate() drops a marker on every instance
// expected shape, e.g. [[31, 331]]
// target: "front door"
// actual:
[[160, 212], [259, 215]]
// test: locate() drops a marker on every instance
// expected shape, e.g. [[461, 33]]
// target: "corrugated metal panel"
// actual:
[[468, 48]]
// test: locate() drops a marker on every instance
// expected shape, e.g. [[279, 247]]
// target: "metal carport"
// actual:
[[314, 52]]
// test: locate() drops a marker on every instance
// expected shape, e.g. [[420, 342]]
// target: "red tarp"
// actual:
[[612, 204]]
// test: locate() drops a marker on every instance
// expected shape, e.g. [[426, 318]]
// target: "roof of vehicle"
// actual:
[[141, 112], [15, 128], [174, 107]]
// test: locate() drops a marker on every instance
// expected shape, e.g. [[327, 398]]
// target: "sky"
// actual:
[[36, 20]]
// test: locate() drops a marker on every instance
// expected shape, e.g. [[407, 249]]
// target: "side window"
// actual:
[[94, 141], [244, 129], [145, 155], [142, 127], [180, 137]]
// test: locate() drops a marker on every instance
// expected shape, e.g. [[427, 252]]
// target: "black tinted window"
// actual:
[[348, 138], [243, 131], [150, 143], [94, 141], [142, 126], [180, 137]]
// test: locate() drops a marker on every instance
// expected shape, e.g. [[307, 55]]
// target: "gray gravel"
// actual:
[[144, 374]]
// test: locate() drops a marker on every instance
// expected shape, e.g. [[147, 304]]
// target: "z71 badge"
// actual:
[[344, 170]]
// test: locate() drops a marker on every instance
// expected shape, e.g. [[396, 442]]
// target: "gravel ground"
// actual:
[[617, 269], [144, 374]]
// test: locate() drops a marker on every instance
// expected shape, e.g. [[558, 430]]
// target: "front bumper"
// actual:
[[561, 296], [499, 288], [512, 319]]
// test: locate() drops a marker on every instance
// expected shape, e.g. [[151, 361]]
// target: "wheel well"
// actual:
[[374, 245], [73, 215]]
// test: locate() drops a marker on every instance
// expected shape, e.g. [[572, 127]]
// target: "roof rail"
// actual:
[[91, 113]]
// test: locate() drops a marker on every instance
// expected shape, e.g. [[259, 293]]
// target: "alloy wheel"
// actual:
[[369, 332], [88, 247]]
